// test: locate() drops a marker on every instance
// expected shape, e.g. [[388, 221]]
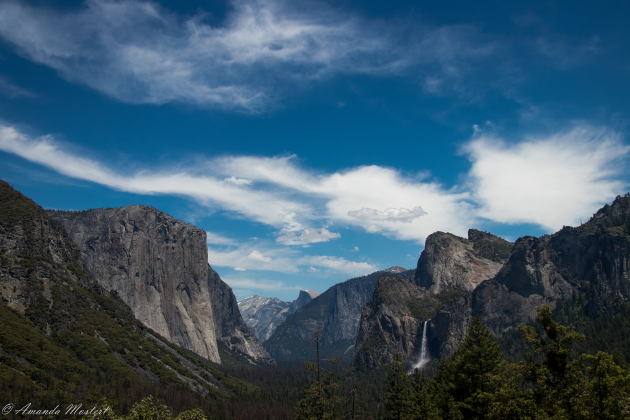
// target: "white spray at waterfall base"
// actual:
[[424, 356]]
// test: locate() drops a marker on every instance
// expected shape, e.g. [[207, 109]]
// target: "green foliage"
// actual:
[[498, 250], [425, 309], [550, 384], [468, 376], [318, 399], [398, 399]]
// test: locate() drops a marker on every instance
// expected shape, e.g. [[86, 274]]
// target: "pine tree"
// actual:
[[466, 380], [318, 399], [398, 399], [607, 389], [555, 378], [424, 403]]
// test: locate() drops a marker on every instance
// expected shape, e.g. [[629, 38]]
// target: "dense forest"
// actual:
[[553, 380]]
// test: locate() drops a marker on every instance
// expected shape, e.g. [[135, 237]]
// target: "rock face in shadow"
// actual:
[[389, 323], [336, 312], [594, 257], [158, 265], [263, 315], [449, 269]]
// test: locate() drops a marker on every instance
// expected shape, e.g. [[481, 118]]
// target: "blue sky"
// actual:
[[317, 141]]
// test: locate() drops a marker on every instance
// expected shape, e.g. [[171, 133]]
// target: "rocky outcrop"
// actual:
[[264, 315], [592, 258], [55, 301], [336, 313], [449, 269], [304, 297], [159, 266], [451, 262], [390, 323]]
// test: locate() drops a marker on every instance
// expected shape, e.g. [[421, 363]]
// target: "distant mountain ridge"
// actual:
[[264, 315], [336, 313]]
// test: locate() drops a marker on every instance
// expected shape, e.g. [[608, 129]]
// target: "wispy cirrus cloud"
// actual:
[[545, 180], [267, 257], [14, 91], [139, 52]]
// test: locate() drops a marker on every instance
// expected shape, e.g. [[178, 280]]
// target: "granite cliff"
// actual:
[[264, 315], [449, 268], [336, 313], [158, 265], [62, 333], [593, 258]]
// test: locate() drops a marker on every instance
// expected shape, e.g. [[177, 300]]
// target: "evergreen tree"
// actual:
[[467, 378], [318, 399], [555, 378], [424, 403], [398, 399], [606, 393]]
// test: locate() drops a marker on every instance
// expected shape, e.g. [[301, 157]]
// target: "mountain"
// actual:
[[589, 260], [158, 266], [264, 315], [336, 313], [449, 268], [66, 339]]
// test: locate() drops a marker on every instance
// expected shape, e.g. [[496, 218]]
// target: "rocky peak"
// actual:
[[617, 214], [304, 297], [395, 269], [451, 262]]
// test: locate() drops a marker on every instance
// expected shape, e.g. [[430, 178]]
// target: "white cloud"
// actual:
[[263, 206], [239, 269], [550, 181], [372, 229], [257, 256], [139, 52], [258, 284], [308, 236], [212, 238], [239, 181], [285, 260], [341, 264], [389, 215]]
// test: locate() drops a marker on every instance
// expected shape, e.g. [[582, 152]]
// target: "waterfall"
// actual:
[[424, 357]]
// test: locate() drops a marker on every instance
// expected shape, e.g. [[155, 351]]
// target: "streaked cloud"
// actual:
[[14, 91], [253, 284], [140, 53], [545, 180], [213, 238]]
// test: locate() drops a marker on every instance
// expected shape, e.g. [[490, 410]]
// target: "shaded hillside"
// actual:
[[64, 338], [336, 312]]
